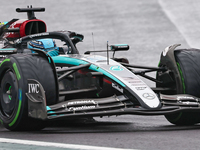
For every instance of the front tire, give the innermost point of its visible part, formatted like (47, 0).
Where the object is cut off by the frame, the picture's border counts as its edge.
(188, 66)
(14, 73)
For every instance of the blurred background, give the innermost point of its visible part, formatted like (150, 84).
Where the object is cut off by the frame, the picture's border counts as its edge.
(147, 26)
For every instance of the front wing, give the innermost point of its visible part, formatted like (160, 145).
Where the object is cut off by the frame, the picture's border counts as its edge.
(115, 105)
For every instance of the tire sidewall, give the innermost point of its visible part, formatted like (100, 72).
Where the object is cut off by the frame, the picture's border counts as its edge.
(12, 121)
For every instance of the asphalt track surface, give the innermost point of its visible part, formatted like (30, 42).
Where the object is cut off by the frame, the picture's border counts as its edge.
(148, 27)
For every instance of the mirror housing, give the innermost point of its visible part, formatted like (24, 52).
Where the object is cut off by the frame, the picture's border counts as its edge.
(119, 47)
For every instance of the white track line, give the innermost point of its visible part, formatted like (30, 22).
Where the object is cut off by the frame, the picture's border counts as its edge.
(58, 145)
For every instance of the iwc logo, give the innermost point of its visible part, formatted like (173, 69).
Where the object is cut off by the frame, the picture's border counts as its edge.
(148, 96)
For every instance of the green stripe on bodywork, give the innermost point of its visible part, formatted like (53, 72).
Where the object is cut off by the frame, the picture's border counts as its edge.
(74, 61)
(1, 121)
(18, 110)
(181, 74)
(16, 71)
(4, 61)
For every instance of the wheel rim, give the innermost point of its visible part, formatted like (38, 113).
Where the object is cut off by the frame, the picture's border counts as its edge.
(9, 90)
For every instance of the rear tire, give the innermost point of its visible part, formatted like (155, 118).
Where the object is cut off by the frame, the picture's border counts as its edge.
(188, 63)
(14, 73)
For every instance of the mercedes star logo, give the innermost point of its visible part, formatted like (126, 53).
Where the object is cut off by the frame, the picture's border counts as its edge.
(148, 96)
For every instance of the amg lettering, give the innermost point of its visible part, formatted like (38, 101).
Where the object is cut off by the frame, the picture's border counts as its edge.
(33, 88)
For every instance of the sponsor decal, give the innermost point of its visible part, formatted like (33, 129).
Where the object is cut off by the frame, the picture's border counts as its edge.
(81, 102)
(33, 88)
(36, 35)
(134, 81)
(140, 88)
(96, 58)
(35, 92)
(80, 105)
(117, 87)
(190, 103)
(185, 98)
(80, 108)
(7, 51)
(61, 68)
(116, 68)
(148, 96)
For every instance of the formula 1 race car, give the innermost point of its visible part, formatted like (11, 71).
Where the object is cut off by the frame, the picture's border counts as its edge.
(36, 86)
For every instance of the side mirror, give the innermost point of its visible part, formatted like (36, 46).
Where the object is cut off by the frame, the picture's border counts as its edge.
(113, 48)
(119, 47)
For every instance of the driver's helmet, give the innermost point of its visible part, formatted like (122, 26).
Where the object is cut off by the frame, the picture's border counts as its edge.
(42, 44)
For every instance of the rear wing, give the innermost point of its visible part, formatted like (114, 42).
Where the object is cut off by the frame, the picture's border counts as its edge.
(30, 11)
